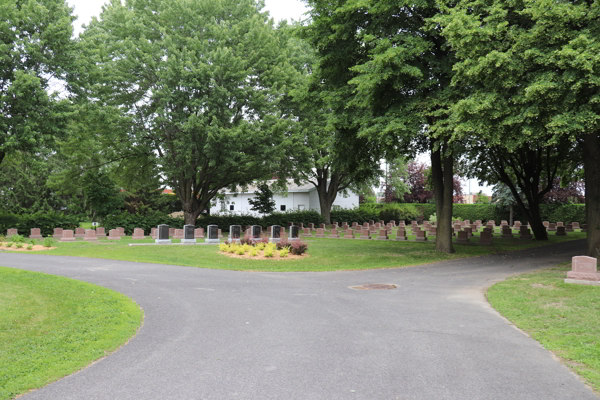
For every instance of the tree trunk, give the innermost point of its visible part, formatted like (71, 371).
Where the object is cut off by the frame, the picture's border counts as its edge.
(191, 210)
(591, 165)
(325, 202)
(442, 174)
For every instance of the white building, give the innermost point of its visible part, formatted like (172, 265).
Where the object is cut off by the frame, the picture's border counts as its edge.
(297, 197)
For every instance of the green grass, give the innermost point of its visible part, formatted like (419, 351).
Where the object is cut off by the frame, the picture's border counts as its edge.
(323, 254)
(86, 225)
(564, 318)
(52, 326)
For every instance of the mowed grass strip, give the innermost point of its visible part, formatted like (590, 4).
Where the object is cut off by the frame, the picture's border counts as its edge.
(52, 326)
(323, 254)
(564, 318)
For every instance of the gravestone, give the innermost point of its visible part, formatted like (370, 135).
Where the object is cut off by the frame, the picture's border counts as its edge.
(584, 271)
(189, 234)
(344, 225)
(220, 233)
(371, 222)
(354, 225)
(575, 225)
(90, 235)
(467, 222)
(213, 235)
(503, 222)
(163, 235)
(561, 231)
(462, 237)
(366, 225)
(275, 234)
(79, 232)
(507, 232)
(559, 224)
(294, 233)
(11, 232)
(306, 232)
(334, 225)
(400, 234)
(383, 234)
(100, 232)
(469, 231)
(57, 233)
(311, 226)
(485, 237)
(121, 231)
(153, 233)
(569, 228)
(378, 225)
(421, 236)
(235, 234)
(546, 224)
(113, 234)
(457, 228)
(68, 236)
(334, 233)
(489, 230)
(36, 233)
(199, 233)
(349, 234)
(138, 233)
(402, 224)
(322, 226)
(551, 227)
(178, 234)
(320, 233)
(301, 225)
(365, 234)
(433, 231)
(171, 232)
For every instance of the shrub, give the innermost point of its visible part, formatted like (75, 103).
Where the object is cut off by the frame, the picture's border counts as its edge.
(46, 221)
(29, 247)
(283, 252)
(9, 244)
(298, 247)
(19, 245)
(254, 252)
(223, 247)
(239, 251)
(17, 239)
(283, 243)
(398, 212)
(247, 240)
(2, 238)
(269, 252)
(48, 241)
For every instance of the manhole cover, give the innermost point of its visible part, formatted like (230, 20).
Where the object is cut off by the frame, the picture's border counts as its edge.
(374, 286)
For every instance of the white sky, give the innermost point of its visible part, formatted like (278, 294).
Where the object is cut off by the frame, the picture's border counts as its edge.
(279, 9)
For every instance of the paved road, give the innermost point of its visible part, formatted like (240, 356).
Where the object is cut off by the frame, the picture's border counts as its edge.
(211, 334)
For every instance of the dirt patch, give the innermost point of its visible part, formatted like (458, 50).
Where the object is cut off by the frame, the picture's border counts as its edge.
(37, 247)
(540, 286)
(260, 256)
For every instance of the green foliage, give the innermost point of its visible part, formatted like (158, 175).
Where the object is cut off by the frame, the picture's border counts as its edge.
(19, 245)
(145, 221)
(364, 213)
(17, 239)
(564, 212)
(299, 216)
(101, 193)
(46, 221)
(208, 112)
(398, 212)
(36, 47)
(30, 247)
(284, 252)
(298, 247)
(48, 241)
(263, 201)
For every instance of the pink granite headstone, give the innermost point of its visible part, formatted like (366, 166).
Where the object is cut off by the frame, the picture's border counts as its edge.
(365, 234)
(320, 233)
(401, 234)
(584, 269)
(383, 234)
(334, 233)
(120, 231)
(178, 234)
(561, 231)
(36, 233)
(485, 237)
(68, 236)
(79, 232)
(100, 232)
(199, 233)
(349, 234)
(462, 237)
(138, 233)
(113, 234)
(11, 232)
(90, 235)
(57, 233)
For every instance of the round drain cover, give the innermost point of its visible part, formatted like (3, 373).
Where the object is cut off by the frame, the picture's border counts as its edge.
(374, 286)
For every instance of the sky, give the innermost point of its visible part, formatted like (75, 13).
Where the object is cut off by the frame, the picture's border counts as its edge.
(279, 9)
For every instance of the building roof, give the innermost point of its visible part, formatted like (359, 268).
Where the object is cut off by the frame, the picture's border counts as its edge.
(291, 188)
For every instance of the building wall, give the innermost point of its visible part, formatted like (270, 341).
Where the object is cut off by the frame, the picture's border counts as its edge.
(242, 206)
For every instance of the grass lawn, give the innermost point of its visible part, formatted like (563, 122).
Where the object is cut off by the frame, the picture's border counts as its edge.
(52, 326)
(323, 254)
(564, 318)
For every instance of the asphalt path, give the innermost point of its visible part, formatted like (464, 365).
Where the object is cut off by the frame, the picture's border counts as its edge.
(214, 334)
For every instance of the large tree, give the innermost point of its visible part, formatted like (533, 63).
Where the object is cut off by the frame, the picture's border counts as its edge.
(195, 84)
(531, 68)
(328, 152)
(397, 70)
(35, 54)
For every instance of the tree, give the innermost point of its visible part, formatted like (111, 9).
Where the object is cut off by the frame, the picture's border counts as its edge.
(481, 198)
(102, 196)
(327, 151)
(532, 69)
(419, 191)
(395, 185)
(263, 202)
(399, 69)
(571, 192)
(194, 84)
(36, 50)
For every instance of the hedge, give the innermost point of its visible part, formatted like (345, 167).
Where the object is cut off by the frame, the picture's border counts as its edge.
(46, 221)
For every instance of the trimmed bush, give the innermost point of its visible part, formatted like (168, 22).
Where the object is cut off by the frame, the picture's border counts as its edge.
(46, 221)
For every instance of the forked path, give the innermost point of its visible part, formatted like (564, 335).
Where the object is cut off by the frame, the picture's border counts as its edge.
(212, 334)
